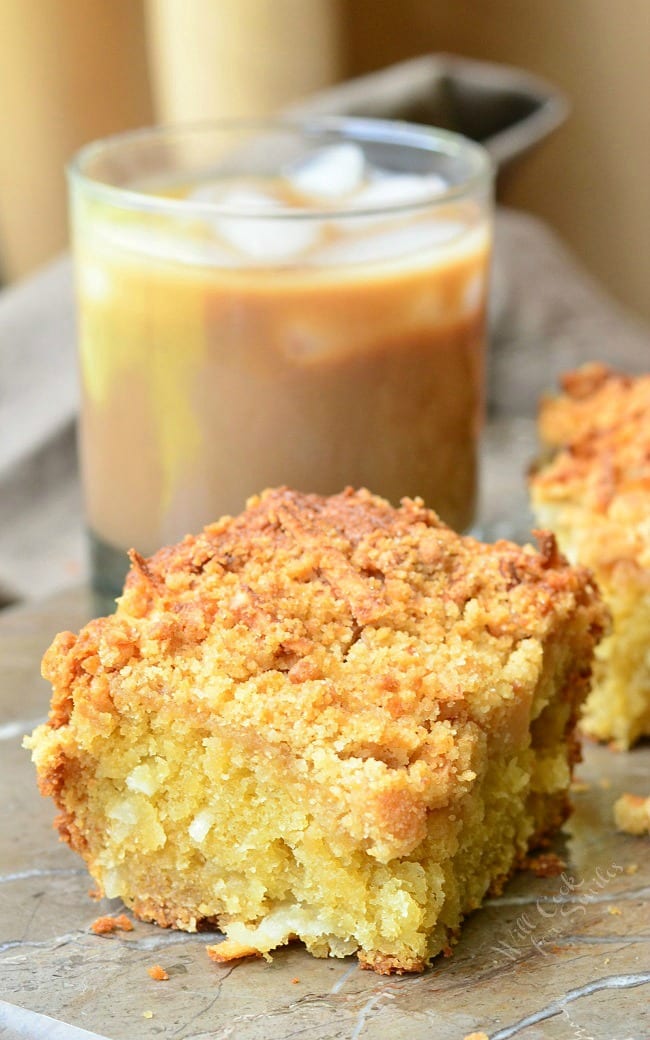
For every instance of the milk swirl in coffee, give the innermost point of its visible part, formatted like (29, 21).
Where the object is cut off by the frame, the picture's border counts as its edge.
(317, 329)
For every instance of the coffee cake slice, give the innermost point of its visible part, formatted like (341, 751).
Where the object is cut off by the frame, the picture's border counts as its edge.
(594, 493)
(325, 719)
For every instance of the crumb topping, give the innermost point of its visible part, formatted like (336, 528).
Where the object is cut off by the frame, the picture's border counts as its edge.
(372, 646)
(601, 428)
(326, 719)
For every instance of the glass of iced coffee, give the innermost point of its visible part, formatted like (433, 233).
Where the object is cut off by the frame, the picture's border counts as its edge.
(297, 303)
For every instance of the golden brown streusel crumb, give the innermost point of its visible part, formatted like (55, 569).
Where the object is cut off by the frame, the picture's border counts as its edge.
(105, 925)
(157, 972)
(594, 398)
(602, 438)
(325, 719)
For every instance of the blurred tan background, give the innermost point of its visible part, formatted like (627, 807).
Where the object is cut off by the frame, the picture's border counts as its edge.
(79, 69)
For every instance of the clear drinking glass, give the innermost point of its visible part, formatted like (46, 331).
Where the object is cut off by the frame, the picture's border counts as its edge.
(269, 303)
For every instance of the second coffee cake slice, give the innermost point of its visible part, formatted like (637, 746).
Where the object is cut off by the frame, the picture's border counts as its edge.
(594, 493)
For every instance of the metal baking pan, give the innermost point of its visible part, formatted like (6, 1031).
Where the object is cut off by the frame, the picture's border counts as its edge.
(507, 110)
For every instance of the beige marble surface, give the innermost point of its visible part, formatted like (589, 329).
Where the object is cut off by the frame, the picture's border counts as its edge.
(562, 958)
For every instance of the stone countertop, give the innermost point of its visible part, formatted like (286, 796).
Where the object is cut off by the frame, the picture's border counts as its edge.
(563, 957)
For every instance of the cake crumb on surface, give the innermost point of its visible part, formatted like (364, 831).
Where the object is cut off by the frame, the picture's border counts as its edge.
(157, 972)
(107, 924)
(632, 814)
(615, 911)
(147, 1014)
(229, 950)
(476, 1036)
(546, 864)
(631, 868)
